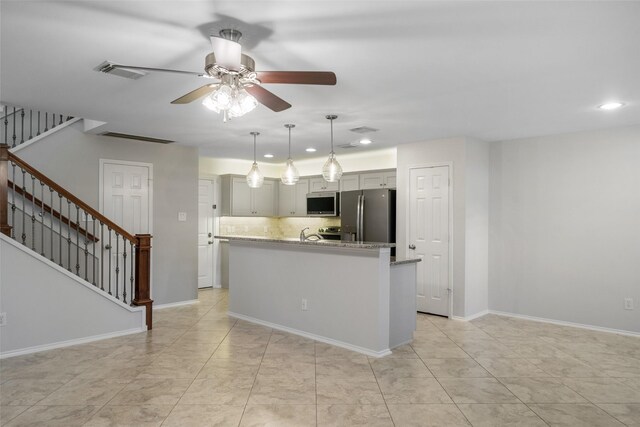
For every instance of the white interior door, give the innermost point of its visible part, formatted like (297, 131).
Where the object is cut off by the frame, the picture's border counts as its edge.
(205, 233)
(126, 190)
(429, 236)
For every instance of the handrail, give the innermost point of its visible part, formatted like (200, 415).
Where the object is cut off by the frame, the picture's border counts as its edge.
(85, 207)
(48, 209)
(8, 113)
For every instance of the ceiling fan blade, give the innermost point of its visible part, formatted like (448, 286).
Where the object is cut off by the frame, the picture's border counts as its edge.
(298, 77)
(267, 98)
(161, 70)
(194, 94)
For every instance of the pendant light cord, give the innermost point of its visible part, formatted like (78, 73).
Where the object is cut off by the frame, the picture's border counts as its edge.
(289, 142)
(332, 136)
(254, 148)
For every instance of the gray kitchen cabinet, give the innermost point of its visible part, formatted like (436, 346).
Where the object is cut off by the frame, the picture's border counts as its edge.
(238, 199)
(381, 179)
(350, 182)
(317, 185)
(293, 198)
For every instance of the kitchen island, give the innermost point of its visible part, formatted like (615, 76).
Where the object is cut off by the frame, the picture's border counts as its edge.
(349, 294)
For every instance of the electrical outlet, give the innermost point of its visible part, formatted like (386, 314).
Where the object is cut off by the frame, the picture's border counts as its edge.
(628, 303)
(3, 319)
(305, 307)
(182, 216)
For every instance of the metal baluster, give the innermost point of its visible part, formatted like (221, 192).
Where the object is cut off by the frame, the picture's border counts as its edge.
(46, 122)
(30, 124)
(68, 234)
(24, 212)
(109, 248)
(51, 222)
(117, 263)
(124, 271)
(22, 126)
(93, 259)
(13, 200)
(13, 144)
(60, 119)
(33, 213)
(77, 240)
(53, 120)
(131, 274)
(38, 123)
(41, 218)
(101, 257)
(6, 123)
(60, 230)
(86, 242)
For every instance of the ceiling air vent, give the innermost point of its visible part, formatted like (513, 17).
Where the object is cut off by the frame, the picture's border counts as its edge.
(137, 137)
(107, 68)
(347, 146)
(363, 129)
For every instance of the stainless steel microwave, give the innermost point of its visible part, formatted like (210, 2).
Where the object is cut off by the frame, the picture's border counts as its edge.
(323, 204)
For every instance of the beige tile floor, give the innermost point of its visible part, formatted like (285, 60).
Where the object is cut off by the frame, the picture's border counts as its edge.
(198, 367)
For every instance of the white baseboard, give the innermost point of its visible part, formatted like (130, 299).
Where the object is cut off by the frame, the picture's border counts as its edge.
(44, 135)
(314, 337)
(60, 344)
(564, 323)
(473, 316)
(175, 304)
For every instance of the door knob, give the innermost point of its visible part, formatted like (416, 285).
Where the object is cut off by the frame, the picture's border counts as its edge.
(412, 247)
(209, 235)
(107, 247)
(210, 242)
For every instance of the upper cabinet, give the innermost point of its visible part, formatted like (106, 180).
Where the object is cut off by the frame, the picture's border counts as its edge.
(386, 179)
(350, 182)
(293, 198)
(238, 199)
(318, 185)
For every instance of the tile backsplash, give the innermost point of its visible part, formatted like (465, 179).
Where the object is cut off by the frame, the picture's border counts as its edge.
(285, 227)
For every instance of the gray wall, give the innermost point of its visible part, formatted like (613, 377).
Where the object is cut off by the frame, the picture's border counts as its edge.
(71, 158)
(565, 227)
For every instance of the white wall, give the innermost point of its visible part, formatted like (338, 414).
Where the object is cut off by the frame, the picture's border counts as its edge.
(565, 227)
(47, 313)
(431, 153)
(350, 162)
(71, 158)
(476, 227)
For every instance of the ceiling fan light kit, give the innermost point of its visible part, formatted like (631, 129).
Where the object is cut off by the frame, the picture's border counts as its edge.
(332, 171)
(255, 177)
(290, 175)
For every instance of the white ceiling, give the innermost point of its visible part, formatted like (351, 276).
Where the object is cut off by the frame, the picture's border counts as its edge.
(415, 70)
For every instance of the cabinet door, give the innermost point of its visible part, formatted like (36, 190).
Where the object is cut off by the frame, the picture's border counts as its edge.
(390, 179)
(369, 181)
(317, 185)
(350, 182)
(264, 199)
(240, 198)
(286, 199)
(300, 199)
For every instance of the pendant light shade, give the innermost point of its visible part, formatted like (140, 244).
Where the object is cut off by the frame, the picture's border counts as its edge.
(255, 177)
(290, 175)
(332, 171)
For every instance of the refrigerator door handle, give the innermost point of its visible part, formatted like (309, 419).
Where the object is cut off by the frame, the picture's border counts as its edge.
(362, 218)
(358, 219)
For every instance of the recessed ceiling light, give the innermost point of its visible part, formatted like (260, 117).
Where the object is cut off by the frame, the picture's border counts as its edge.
(610, 105)
(268, 156)
(310, 150)
(365, 141)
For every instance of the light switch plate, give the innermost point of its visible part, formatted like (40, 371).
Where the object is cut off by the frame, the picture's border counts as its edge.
(182, 216)
(3, 319)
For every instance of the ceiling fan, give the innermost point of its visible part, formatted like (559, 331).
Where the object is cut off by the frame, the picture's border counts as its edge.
(238, 88)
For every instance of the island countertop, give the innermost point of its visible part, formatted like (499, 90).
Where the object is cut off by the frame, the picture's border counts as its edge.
(325, 242)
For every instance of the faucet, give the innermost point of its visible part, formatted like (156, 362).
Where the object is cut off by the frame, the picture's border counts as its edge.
(309, 237)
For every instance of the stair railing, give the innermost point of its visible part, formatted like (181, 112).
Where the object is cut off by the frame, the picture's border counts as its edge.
(45, 217)
(18, 125)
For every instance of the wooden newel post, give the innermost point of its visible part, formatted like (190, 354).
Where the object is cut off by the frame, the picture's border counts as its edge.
(143, 275)
(5, 228)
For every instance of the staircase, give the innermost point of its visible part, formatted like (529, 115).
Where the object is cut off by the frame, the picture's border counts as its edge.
(56, 226)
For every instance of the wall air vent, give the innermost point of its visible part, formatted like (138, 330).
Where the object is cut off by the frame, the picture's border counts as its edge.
(137, 137)
(363, 130)
(107, 68)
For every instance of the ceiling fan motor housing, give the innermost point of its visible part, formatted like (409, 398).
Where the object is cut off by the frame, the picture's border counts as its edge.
(247, 66)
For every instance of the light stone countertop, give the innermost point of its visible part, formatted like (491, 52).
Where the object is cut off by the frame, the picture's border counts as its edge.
(325, 242)
(399, 261)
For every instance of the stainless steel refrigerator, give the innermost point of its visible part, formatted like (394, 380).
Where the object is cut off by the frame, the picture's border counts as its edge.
(368, 215)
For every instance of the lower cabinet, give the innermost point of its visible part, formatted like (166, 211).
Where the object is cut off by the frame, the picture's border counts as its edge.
(293, 198)
(238, 199)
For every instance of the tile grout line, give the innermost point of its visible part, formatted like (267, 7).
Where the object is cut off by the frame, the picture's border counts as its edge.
(256, 377)
(384, 399)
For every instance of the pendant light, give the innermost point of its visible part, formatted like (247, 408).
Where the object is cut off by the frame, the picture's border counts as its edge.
(332, 171)
(290, 175)
(255, 177)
